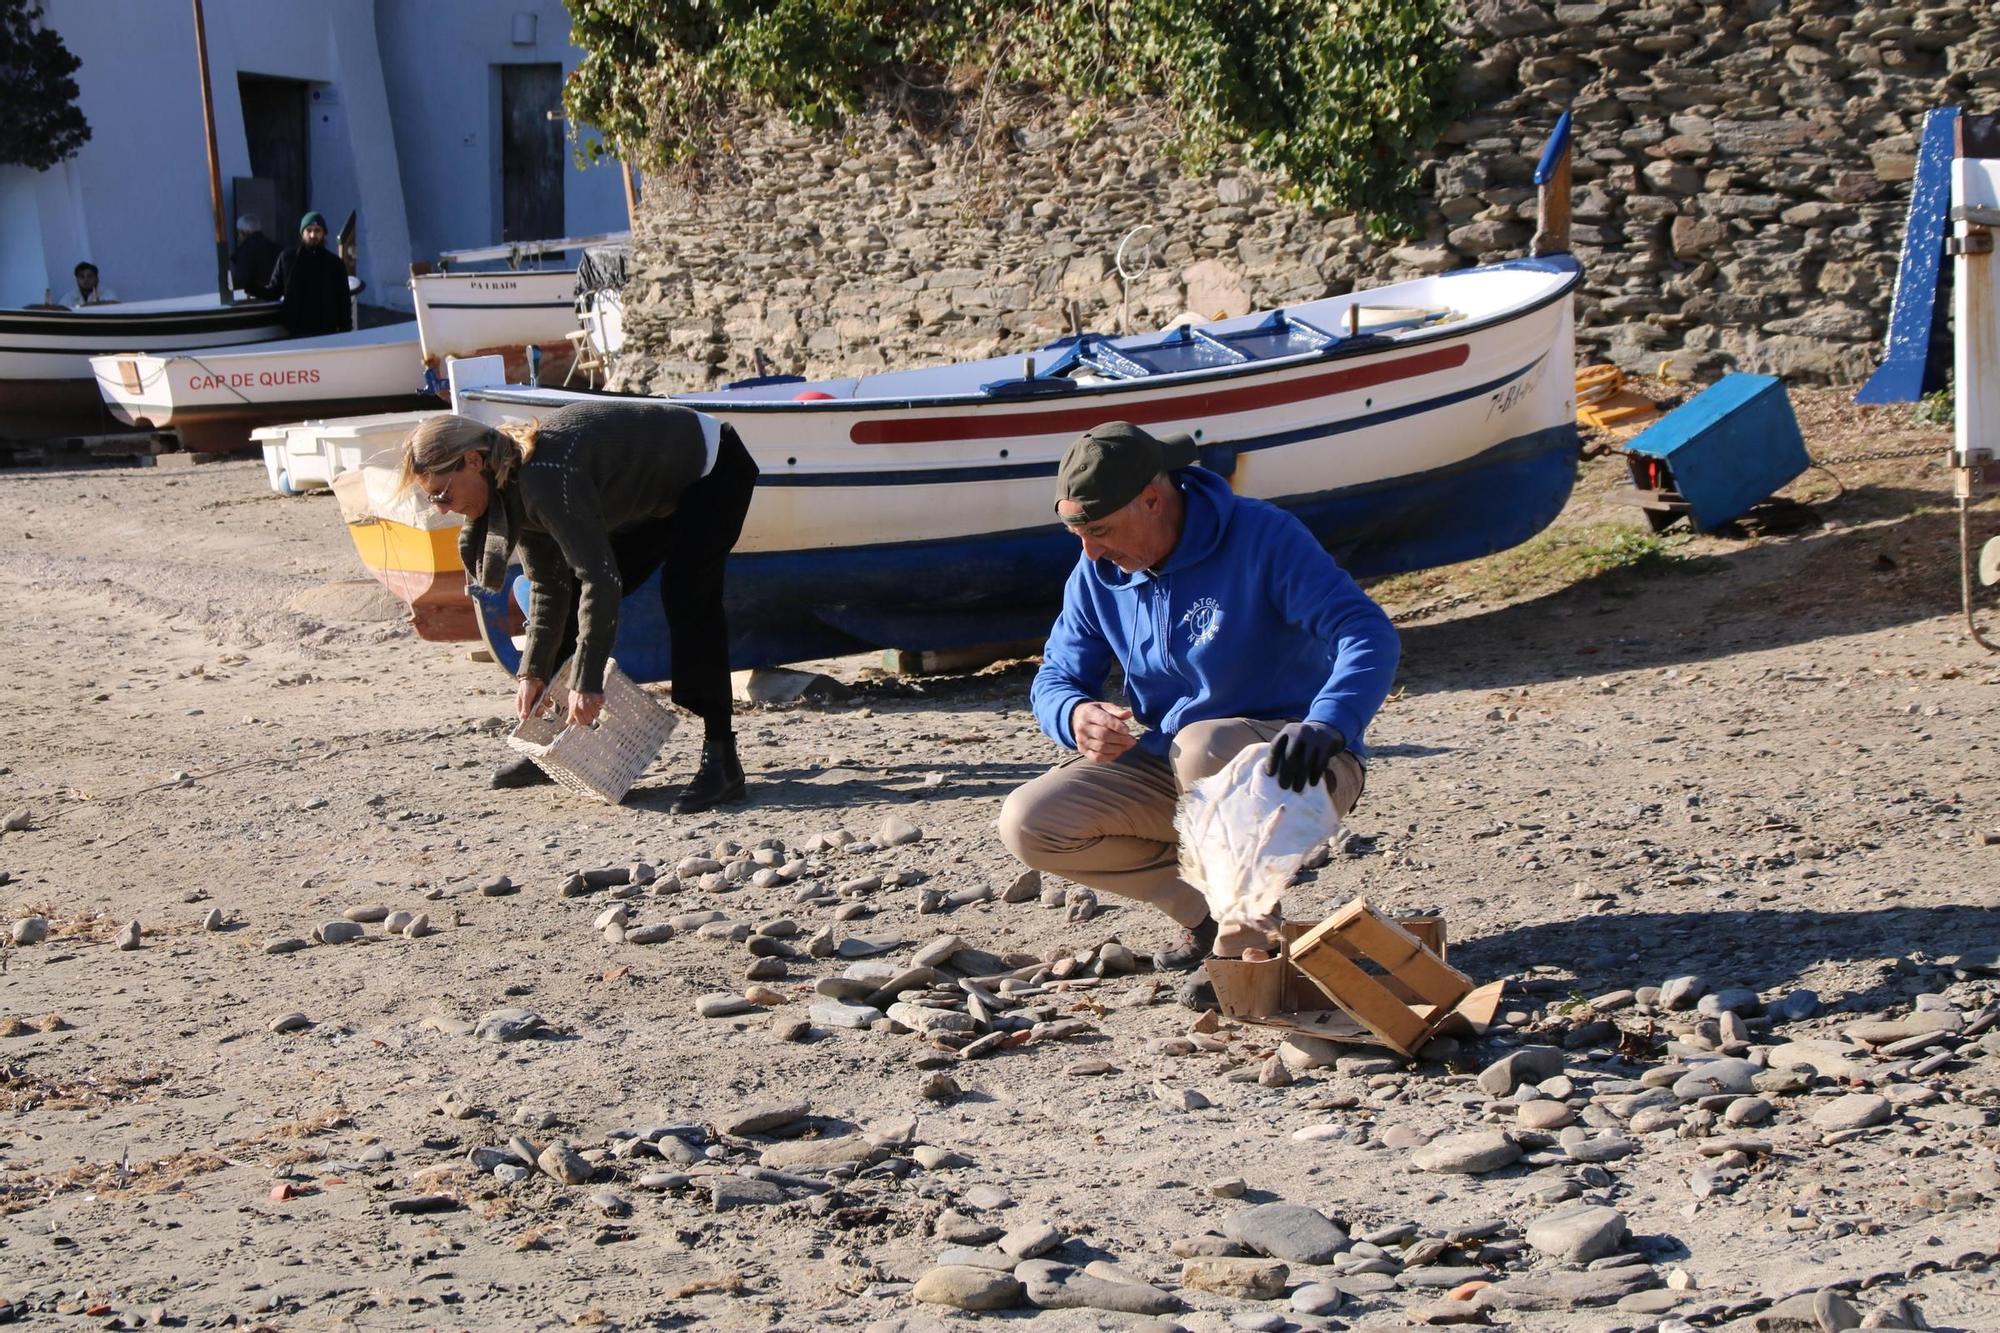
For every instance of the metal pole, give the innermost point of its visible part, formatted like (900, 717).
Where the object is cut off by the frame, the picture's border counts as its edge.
(223, 286)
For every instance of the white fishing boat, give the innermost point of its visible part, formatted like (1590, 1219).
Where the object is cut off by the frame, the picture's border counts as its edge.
(469, 312)
(1408, 426)
(500, 313)
(213, 397)
(1412, 425)
(46, 383)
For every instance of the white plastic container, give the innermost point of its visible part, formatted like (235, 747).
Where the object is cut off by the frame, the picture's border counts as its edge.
(308, 455)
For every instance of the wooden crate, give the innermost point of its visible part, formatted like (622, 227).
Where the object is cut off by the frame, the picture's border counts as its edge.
(1412, 989)
(1276, 988)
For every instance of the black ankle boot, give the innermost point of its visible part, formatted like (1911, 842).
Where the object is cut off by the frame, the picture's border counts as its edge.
(520, 771)
(719, 780)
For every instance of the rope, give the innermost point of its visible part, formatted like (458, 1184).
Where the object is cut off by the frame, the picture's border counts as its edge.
(1599, 449)
(166, 363)
(1965, 574)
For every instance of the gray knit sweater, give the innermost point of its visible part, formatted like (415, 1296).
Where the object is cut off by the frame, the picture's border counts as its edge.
(596, 467)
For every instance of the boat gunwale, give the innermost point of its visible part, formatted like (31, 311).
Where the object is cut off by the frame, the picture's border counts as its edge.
(74, 324)
(1566, 265)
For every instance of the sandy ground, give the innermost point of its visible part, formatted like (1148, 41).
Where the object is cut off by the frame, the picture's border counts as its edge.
(1765, 760)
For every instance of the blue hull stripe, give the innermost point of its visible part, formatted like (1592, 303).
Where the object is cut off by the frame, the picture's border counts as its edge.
(790, 606)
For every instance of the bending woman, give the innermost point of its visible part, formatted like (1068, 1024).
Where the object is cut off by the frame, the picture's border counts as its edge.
(594, 498)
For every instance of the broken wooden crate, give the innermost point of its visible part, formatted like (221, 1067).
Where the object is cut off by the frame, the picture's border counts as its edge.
(1387, 980)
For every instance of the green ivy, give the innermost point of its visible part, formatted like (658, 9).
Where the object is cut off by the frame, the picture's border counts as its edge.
(39, 121)
(1342, 96)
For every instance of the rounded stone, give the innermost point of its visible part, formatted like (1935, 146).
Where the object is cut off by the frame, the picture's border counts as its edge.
(1857, 1110)
(964, 1287)
(1467, 1154)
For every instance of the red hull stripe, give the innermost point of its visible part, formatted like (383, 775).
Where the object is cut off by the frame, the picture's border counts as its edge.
(992, 425)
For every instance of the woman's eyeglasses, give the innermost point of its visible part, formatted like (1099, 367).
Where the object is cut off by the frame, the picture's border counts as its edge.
(439, 496)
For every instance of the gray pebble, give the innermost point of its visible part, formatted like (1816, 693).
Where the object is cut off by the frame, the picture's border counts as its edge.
(721, 1004)
(560, 1162)
(507, 1024)
(897, 831)
(1682, 992)
(842, 1014)
(764, 1117)
(964, 1287)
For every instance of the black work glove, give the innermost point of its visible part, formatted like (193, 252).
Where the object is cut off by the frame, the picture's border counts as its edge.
(1301, 752)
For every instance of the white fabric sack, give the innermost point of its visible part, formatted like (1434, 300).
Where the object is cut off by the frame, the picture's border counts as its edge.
(1243, 837)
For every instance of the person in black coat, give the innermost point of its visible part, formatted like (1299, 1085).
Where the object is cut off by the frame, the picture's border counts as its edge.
(312, 283)
(255, 256)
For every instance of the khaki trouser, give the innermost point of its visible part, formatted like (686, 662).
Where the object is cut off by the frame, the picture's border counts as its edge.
(1111, 826)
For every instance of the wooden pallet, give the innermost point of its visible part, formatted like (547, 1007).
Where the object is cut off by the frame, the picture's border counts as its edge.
(1381, 974)
(130, 448)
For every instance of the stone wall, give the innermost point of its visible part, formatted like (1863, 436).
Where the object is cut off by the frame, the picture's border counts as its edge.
(1741, 175)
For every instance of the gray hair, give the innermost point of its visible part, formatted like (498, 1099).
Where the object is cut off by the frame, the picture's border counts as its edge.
(248, 222)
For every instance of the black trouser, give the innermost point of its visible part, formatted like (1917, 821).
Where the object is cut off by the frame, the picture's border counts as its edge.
(690, 548)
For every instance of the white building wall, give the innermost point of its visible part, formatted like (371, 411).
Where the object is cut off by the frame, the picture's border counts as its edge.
(404, 133)
(439, 59)
(135, 199)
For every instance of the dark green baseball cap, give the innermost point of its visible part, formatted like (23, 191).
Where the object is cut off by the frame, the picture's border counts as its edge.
(1108, 465)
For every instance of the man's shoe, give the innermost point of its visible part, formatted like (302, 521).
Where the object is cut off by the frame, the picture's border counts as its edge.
(1196, 945)
(520, 772)
(719, 780)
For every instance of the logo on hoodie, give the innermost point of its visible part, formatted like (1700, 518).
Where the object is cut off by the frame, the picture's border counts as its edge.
(1201, 621)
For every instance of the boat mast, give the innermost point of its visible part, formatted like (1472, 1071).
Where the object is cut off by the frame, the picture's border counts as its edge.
(1552, 188)
(631, 191)
(223, 286)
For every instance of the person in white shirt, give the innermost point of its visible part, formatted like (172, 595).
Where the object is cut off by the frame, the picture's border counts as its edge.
(88, 290)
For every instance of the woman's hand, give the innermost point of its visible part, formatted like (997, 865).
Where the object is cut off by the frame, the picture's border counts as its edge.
(584, 708)
(526, 695)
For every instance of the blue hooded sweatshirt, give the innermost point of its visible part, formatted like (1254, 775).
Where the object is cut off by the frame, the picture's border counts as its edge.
(1248, 617)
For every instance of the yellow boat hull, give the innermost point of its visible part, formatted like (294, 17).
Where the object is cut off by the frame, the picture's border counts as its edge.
(423, 569)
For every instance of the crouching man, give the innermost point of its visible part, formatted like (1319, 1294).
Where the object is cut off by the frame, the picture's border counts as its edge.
(1231, 625)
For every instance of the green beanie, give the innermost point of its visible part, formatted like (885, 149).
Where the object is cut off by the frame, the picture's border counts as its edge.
(310, 220)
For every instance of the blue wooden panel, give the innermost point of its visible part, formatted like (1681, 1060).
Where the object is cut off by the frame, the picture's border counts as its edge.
(1906, 373)
(1731, 445)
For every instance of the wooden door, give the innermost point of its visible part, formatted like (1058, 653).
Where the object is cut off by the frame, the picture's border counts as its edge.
(531, 152)
(275, 113)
